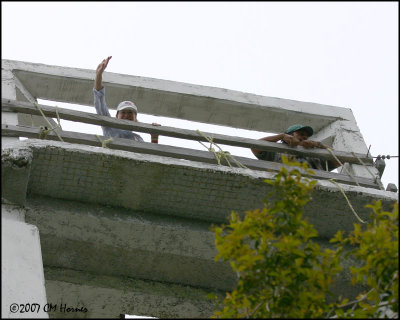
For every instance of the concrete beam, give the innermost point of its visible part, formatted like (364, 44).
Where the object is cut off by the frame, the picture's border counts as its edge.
(108, 297)
(170, 186)
(126, 243)
(175, 99)
(118, 245)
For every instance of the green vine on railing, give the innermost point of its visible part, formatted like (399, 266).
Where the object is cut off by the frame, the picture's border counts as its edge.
(44, 131)
(104, 142)
(221, 154)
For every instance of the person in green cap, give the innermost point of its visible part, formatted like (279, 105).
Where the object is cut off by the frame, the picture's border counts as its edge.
(297, 135)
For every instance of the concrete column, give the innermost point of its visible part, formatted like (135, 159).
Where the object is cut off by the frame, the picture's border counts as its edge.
(12, 88)
(349, 138)
(326, 135)
(22, 281)
(22, 277)
(22, 284)
(8, 91)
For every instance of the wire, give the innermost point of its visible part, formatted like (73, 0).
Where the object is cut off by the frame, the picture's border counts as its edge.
(385, 157)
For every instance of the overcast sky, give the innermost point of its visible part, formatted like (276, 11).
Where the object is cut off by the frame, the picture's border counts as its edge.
(336, 53)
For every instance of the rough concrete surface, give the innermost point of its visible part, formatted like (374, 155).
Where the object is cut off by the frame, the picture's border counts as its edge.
(162, 185)
(108, 297)
(119, 242)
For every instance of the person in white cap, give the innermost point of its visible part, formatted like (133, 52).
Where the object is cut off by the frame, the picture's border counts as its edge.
(125, 110)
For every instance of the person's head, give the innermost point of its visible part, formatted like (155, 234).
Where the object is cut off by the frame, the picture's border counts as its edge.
(127, 110)
(300, 132)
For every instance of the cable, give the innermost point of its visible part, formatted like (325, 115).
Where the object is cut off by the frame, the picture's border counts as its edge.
(385, 157)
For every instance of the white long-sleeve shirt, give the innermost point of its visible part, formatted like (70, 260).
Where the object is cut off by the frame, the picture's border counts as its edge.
(102, 109)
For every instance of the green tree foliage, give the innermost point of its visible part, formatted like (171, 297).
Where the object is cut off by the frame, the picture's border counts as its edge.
(377, 250)
(282, 273)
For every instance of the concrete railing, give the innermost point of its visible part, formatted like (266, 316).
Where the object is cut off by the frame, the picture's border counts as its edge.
(8, 130)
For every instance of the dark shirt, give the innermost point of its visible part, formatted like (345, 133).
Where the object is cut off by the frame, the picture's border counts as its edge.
(314, 163)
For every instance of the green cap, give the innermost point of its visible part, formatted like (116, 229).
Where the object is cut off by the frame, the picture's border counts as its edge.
(297, 127)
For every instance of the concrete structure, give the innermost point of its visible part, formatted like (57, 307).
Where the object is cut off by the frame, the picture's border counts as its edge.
(127, 232)
(21, 265)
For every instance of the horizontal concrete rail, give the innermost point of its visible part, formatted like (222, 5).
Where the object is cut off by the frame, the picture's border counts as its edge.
(90, 118)
(173, 152)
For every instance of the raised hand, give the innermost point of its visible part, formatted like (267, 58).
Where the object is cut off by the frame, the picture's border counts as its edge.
(103, 65)
(99, 73)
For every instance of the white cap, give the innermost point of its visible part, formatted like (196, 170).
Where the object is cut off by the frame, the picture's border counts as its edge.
(127, 105)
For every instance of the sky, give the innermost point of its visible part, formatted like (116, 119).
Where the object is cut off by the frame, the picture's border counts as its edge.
(342, 54)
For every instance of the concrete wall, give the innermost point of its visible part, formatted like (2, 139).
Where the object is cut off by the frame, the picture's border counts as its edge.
(158, 184)
(109, 217)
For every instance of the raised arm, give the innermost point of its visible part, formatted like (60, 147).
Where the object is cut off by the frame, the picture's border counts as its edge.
(98, 81)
